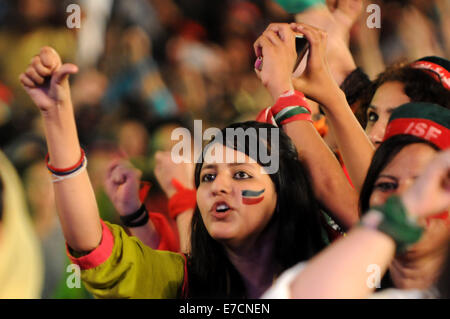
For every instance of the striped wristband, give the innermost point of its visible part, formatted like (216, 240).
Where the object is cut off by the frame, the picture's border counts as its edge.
(290, 106)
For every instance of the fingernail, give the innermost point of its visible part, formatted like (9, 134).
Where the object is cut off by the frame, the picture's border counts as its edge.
(258, 63)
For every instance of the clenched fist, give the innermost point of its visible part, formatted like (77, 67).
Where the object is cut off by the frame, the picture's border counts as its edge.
(122, 186)
(46, 80)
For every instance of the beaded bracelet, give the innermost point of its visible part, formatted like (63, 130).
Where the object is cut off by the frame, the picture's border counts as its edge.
(393, 220)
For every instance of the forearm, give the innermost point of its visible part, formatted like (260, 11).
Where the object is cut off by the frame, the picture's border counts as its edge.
(183, 221)
(147, 234)
(354, 145)
(75, 200)
(330, 185)
(350, 275)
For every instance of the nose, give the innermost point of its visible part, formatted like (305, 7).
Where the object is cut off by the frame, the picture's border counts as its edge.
(376, 134)
(221, 184)
(403, 186)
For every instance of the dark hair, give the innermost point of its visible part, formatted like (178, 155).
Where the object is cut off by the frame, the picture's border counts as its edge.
(418, 86)
(443, 284)
(296, 220)
(382, 157)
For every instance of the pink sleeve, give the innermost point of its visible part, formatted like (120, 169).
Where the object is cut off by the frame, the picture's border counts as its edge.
(99, 255)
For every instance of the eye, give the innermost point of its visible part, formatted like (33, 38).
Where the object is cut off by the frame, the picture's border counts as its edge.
(208, 178)
(241, 175)
(386, 186)
(372, 116)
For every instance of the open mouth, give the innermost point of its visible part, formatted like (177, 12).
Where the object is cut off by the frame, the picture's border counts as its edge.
(222, 207)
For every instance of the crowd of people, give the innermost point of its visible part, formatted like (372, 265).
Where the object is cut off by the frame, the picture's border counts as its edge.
(359, 131)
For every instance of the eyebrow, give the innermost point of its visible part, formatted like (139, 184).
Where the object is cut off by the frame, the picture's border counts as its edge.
(387, 176)
(213, 166)
(389, 110)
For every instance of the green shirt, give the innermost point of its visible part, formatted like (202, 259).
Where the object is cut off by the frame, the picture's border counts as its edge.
(131, 269)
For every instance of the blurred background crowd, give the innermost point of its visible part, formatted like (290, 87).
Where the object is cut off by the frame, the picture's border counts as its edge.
(149, 66)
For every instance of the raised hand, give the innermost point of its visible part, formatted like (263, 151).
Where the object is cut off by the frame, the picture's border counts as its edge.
(316, 82)
(430, 194)
(46, 80)
(122, 186)
(166, 170)
(276, 46)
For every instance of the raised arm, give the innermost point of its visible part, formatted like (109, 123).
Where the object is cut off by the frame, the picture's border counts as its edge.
(46, 82)
(371, 244)
(180, 192)
(353, 143)
(122, 186)
(276, 46)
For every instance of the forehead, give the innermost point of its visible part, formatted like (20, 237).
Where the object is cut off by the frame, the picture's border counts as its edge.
(410, 161)
(219, 154)
(389, 95)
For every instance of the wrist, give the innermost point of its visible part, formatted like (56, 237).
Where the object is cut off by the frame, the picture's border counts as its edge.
(130, 208)
(276, 91)
(334, 95)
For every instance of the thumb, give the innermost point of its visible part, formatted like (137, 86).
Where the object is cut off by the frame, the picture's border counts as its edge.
(63, 72)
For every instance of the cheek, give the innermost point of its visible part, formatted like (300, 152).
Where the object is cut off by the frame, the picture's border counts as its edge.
(252, 196)
(378, 198)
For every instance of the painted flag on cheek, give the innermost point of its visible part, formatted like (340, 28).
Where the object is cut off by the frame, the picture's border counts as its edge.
(250, 197)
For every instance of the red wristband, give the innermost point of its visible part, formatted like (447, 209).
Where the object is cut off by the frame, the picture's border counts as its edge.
(183, 200)
(64, 170)
(290, 106)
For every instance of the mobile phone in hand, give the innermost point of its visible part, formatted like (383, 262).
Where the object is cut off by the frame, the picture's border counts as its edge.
(301, 46)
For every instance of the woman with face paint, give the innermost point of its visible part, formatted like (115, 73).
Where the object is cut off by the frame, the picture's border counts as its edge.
(251, 222)
(410, 238)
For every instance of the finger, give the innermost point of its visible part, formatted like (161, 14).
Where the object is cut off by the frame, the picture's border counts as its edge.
(50, 58)
(34, 76)
(283, 30)
(273, 37)
(118, 177)
(112, 166)
(257, 48)
(26, 81)
(39, 67)
(63, 72)
(316, 38)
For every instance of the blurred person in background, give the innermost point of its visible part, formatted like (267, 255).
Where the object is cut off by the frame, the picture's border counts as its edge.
(26, 26)
(21, 267)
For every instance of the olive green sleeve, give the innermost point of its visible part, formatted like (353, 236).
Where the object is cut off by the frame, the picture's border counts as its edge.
(123, 267)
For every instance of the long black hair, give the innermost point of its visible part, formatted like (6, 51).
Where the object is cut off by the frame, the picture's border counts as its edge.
(382, 157)
(296, 220)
